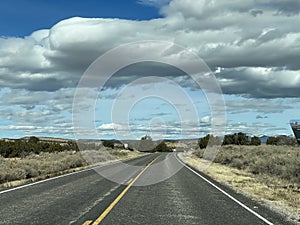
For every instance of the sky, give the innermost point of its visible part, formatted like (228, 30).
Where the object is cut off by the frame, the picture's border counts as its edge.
(252, 48)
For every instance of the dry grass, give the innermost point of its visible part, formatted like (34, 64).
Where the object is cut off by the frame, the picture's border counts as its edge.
(280, 161)
(280, 194)
(18, 171)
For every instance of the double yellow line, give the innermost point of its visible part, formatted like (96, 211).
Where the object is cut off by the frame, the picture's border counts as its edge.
(112, 205)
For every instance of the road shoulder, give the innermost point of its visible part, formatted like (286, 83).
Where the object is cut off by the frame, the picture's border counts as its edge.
(19, 183)
(244, 183)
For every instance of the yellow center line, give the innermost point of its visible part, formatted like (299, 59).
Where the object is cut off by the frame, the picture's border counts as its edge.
(128, 182)
(112, 205)
(88, 222)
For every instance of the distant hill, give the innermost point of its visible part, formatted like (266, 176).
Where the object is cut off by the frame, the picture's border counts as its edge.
(263, 138)
(40, 139)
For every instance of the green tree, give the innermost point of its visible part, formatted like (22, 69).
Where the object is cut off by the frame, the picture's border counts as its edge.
(242, 139)
(228, 139)
(272, 141)
(33, 139)
(108, 144)
(255, 141)
(236, 139)
(162, 147)
(204, 141)
(209, 139)
(286, 140)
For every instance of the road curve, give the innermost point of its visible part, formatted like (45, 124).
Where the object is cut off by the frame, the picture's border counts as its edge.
(88, 198)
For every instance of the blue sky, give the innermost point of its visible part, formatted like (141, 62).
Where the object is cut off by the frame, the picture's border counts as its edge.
(21, 17)
(252, 48)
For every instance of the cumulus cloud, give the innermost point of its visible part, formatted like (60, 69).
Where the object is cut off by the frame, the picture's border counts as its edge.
(288, 8)
(56, 58)
(266, 106)
(254, 45)
(190, 129)
(260, 82)
(257, 129)
(49, 60)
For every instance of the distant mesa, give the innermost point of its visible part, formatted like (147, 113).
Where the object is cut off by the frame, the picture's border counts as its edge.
(263, 138)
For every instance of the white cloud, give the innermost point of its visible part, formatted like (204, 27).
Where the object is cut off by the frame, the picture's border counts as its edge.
(260, 82)
(111, 126)
(265, 106)
(60, 55)
(157, 130)
(206, 119)
(185, 8)
(256, 43)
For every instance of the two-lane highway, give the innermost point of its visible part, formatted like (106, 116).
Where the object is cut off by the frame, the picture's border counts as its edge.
(88, 198)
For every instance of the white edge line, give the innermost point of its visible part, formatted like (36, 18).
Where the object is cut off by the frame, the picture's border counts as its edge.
(61, 176)
(225, 193)
(52, 178)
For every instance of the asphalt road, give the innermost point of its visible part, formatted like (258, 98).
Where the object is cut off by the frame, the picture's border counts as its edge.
(88, 198)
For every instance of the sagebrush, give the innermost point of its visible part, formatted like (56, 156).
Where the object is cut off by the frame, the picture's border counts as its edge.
(45, 163)
(280, 161)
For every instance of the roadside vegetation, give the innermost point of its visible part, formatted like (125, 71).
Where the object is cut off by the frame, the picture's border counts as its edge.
(280, 161)
(242, 139)
(34, 165)
(32, 159)
(279, 157)
(146, 144)
(24, 147)
(268, 172)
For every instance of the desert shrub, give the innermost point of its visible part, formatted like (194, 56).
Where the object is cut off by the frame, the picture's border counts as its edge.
(255, 141)
(23, 148)
(35, 165)
(238, 163)
(280, 165)
(199, 153)
(108, 144)
(49, 163)
(162, 147)
(33, 139)
(224, 158)
(236, 139)
(282, 140)
(280, 161)
(102, 155)
(119, 153)
(272, 141)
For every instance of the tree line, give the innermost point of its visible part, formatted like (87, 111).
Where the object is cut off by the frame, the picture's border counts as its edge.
(146, 144)
(22, 147)
(243, 139)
